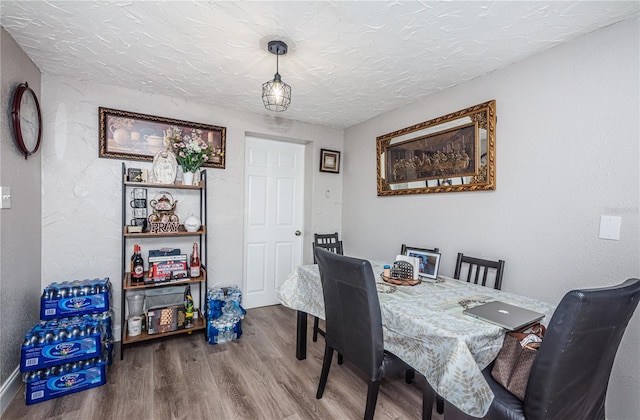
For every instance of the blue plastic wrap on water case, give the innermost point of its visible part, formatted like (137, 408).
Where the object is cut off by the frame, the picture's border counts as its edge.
(77, 297)
(38, 390)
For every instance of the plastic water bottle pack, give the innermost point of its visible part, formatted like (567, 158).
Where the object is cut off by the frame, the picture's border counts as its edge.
(224, 314)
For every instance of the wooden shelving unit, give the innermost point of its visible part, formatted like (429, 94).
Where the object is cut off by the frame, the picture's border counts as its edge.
(128, 285)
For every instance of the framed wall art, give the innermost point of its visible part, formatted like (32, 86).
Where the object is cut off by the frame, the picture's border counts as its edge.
(455, 152)
(132, 136)
(329, 161)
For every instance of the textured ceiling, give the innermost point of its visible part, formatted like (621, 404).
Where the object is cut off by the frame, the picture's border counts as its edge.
(347, 61)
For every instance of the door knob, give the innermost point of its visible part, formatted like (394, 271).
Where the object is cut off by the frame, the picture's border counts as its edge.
(298, 233)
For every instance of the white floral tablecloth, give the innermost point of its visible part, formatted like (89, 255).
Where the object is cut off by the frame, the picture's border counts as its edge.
(424, 326)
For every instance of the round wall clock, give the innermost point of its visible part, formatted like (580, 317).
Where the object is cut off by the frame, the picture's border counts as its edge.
(27, 121)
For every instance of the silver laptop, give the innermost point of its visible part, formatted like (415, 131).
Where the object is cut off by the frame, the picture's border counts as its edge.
(505, 315)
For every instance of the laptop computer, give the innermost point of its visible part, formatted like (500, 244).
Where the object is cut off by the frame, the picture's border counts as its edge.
(504, 315)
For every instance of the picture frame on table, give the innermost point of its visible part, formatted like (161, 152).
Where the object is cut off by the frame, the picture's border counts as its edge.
(329, 161)
(429, 261)
(134, 136)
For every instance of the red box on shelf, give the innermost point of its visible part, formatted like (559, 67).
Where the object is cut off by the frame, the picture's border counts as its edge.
(167, 268)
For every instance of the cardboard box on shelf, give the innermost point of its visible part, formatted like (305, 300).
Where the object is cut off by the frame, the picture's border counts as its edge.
(162, 320)
(164, 252)
(167, 268)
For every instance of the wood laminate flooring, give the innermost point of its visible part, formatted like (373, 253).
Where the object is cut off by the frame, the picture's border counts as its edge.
(255, 377)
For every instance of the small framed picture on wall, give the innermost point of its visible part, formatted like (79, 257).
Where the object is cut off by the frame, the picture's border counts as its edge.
(329, 161)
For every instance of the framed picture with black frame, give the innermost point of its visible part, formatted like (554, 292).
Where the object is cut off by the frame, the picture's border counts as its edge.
(429, 262)
(329, 161)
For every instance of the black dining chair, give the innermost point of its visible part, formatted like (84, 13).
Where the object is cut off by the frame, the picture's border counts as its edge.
(571, 371)
(476, 266)
(325, 238)
(335, 247)
(328, 241)
(354, 326)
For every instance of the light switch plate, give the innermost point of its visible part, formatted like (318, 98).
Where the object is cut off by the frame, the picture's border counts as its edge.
(5, 198)
(610, 227)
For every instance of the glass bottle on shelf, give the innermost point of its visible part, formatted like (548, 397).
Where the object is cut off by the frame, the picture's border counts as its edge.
(194, 263)
(137, 274)
(133, 256)
(189, 308)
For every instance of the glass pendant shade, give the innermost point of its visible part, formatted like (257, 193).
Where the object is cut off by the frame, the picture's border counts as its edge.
(276, 95)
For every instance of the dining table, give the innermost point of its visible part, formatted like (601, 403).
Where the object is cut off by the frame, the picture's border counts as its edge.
(424, 325)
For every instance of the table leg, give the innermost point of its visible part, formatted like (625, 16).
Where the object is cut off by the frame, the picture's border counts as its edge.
(301, 336)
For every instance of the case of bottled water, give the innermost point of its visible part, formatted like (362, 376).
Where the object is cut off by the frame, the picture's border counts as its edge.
(66, 340)
(64, 379)
(224, 314)
(77, 297)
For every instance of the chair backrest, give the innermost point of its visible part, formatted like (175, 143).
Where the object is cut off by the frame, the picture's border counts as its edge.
(570, 374)
(404, 247)
(335, 247)
(478, 270)
(352, 311)
(325, 238)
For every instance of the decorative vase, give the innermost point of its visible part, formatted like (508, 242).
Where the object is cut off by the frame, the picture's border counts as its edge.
(187, 178)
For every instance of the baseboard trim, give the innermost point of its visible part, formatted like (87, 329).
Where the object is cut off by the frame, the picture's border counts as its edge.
(9, 390)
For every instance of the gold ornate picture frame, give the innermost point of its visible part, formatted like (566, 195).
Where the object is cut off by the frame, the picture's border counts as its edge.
(132, 136)
(455, 152)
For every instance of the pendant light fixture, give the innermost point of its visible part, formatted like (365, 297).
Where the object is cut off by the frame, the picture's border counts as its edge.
(276, 94)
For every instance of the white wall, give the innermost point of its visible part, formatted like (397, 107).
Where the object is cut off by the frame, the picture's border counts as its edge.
(81, 222)
(567, 152)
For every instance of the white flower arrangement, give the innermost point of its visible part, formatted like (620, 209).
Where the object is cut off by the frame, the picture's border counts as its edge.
(190, 149)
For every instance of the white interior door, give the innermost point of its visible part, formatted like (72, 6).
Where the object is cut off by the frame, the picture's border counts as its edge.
(273, 219)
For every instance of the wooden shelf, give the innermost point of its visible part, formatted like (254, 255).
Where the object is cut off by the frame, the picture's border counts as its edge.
(181, 235)
(127, 284)
(154, 185)
(181, 232)
(199, 325)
